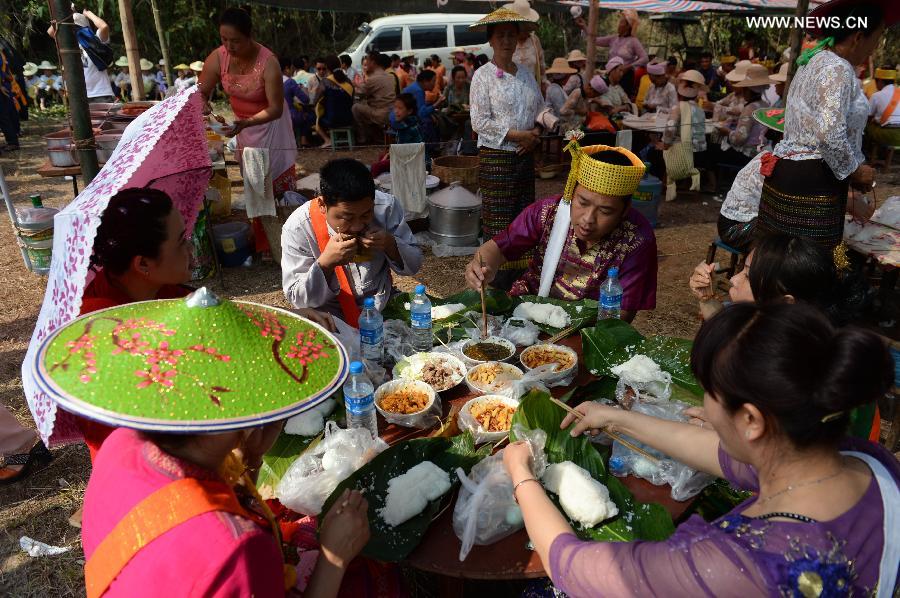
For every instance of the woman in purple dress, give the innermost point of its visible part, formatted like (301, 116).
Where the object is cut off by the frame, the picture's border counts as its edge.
(780, 382)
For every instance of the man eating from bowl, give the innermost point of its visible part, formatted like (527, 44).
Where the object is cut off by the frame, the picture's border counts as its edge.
(577, 239)
(340, 248)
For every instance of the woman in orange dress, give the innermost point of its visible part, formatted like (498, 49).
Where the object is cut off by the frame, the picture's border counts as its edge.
(251, 77)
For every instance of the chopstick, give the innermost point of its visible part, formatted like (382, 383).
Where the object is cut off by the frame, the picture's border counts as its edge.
(561, 334)
(612, 435)
(484, 327)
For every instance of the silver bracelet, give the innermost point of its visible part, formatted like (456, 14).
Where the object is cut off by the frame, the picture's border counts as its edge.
(516, 487)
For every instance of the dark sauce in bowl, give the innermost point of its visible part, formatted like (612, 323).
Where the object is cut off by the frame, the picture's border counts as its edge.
(487, 352)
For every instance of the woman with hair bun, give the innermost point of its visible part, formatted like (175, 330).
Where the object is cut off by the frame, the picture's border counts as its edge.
(780, 382)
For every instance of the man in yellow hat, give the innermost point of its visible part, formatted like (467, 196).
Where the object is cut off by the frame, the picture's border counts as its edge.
(884, 109)
(578, 239)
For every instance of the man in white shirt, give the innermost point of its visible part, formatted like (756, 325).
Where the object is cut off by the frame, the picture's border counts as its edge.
(884, 110)
(96, 81)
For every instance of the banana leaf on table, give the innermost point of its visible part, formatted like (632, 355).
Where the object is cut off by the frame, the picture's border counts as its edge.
(612, 342)
(395, 543)
(636, 520)
(583, 312)
(497, 303)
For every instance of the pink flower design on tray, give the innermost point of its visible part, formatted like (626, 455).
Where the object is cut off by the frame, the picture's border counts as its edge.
(305, 350)
(156, 375)
(163, 354)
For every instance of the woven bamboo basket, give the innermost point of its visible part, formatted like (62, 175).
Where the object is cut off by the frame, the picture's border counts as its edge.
(461, 169)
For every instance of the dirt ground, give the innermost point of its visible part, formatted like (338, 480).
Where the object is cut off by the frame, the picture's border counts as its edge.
(40, 506)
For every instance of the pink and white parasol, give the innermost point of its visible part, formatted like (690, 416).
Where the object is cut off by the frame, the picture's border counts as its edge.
(164, 148)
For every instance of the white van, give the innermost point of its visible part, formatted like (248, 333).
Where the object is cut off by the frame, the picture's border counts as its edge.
(420, 34)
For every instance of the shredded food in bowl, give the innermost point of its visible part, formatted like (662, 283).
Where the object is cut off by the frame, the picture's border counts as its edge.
(493, 416)
(537, 357)
(405, 401)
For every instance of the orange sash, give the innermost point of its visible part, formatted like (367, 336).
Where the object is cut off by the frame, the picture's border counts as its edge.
(165, 509)
(895, 99)
(346, 299)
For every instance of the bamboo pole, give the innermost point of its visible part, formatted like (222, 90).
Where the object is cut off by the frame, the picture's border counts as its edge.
(593, 13)
(131, 50)
(163, 43)
(796, 43)
(73, 75)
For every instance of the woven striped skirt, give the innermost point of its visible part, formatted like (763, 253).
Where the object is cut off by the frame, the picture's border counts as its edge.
(803, 198)
(506, 180)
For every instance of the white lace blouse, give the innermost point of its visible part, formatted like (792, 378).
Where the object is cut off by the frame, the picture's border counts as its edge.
(742, 202)
(825, 115)
(500, 104)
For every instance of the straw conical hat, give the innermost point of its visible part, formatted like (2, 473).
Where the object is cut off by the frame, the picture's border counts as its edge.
(146, 65)
(181, 67)
(739, 72)
(576, 56)
(757, 76)
(197, 65)
(560, 66)
(500, 16)
(781, 75)
(523, 7)
(122, 61)
(29, 69)
(46, 66)
(197, 364)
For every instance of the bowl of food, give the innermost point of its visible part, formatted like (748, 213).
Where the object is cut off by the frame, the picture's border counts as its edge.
(494, 376)
(403, 401)
(441, 371)
(488, 417)
(564, 359)
(493, 348)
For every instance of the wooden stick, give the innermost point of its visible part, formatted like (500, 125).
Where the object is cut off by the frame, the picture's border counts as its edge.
(484, 326)
(612, 435)
(561, 335)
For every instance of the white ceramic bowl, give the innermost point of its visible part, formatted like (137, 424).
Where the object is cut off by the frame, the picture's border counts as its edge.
(467, 422)
(507, 374)
(410, 368)
(511, 348)
(559, 374)
(403, 419)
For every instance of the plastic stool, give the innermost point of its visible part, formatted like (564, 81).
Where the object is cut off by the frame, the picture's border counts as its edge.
(341, 139)
(737, 258)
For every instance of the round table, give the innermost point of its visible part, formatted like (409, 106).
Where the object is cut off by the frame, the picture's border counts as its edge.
(510, 558)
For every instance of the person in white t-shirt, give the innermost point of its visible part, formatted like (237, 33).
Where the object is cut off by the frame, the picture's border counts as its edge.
(96, 82)
(884, 109)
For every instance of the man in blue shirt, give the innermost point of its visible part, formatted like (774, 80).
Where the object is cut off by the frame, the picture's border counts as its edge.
(425, 81)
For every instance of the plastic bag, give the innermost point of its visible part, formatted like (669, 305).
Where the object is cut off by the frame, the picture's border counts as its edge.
(485, 510)
(520, 332)
(535, 379)
(311, 479)
(685, 481)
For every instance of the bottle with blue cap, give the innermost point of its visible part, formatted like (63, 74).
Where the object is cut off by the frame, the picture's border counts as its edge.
(610, 297)
(618, 467)
(420, 319)
(371, 332)
(359, 400)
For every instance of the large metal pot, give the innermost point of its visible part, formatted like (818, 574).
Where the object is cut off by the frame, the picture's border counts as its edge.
(453, 216)
(106, 145)
(63, 157)
(59, 140)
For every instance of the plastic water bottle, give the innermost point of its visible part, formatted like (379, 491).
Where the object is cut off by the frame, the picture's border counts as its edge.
(371, 332)
(610, 297)
(420, 316)
(359, 399)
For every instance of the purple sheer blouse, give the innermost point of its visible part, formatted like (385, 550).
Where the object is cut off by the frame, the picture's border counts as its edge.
(628, 49)
(737, 555)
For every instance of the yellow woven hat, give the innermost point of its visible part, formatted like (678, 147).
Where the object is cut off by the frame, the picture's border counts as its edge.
(601, 177)
(886, 74)
(503, 15)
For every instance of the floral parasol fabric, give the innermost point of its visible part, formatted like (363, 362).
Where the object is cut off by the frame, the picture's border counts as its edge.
(179, 366)
(165, 148)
